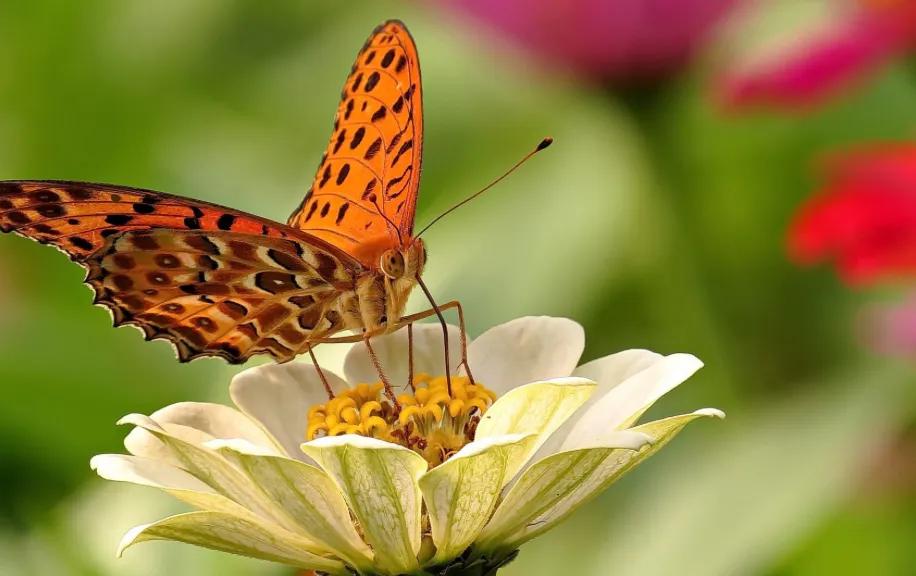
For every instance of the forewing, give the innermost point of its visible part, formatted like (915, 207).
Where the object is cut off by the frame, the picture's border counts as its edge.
(212, 280)
(372, 164)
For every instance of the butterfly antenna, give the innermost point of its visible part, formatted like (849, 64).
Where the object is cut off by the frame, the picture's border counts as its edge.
(387, 219)
(542, 145)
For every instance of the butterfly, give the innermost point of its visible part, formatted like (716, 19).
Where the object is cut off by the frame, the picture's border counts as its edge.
(220, 282)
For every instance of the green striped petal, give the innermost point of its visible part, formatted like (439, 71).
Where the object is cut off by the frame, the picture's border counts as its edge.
(461, 494)
(174, 481)
(306, 493)
(379, 481)
(228, 533)
(215, 471)
(552, 488)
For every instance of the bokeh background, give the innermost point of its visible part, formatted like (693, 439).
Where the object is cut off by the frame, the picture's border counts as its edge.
(688, 133)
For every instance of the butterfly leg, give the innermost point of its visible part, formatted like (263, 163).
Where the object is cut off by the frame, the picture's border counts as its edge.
(408, 321)
(438, 312)
(410, 357)
(324, 380)
(389, 391)
(464, 338)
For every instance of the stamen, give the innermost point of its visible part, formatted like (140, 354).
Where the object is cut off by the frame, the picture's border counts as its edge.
(433, 421)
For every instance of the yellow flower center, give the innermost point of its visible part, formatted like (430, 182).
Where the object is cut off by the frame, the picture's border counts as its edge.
(432, 421)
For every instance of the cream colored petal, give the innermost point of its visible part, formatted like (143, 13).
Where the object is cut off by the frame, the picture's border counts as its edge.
(307, 494)
(391, 349)
(379, 482)
(538, 408)
(215, 471)
(609, 371)
(194, 422)
(623, 404)
(279, 396)
(525, 350)
(146, 472)
(552, 488)
(228, 533)
(460, 494)
(174, 481)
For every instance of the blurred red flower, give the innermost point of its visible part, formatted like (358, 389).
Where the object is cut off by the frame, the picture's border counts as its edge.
(608, 39)
(860, 37)
(864, 217)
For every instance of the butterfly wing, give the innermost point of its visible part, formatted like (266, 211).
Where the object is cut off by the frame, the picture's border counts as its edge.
(212, 280)
(370, 173)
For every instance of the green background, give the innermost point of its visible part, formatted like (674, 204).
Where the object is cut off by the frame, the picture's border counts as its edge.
(655, 220)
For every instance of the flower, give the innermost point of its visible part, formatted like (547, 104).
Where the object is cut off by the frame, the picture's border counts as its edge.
(458, 478)
(603, 38)
(837, 46)
(890, 329)
(864, 216)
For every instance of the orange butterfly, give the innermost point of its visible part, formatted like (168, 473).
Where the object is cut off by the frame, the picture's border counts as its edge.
(218, 282)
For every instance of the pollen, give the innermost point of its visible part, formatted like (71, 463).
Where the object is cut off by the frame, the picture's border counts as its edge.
(433, 421)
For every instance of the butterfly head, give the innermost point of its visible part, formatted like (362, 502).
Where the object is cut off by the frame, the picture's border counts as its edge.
(403, 262)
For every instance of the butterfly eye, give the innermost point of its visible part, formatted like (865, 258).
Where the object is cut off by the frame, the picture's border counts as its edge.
(392, 264)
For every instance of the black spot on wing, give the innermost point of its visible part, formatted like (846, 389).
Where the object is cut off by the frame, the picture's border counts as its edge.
(225, 222)
(342, 175)
(341, 136)
(370, 186)
(80, 242)
(142, 208)
(311, 211)
(404, 148)
(118, 219)
(341, 212)
(388, 58)
(373, 149)
(357, 137)
(372, 81)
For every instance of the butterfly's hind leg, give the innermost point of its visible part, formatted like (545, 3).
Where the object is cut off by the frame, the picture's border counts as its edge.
(410, 383)
(324, 380)
(389, 391)
(438, 312)
(464, 338)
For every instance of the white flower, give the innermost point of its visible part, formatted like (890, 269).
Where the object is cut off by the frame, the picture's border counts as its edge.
(453, 478)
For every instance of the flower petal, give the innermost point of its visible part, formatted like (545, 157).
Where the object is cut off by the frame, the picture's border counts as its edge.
(525, 350)
(611, 370)
(552, 488)
(379, 481)
(537, 408)
(460, 494)
(623, 404)
(214, 470)
(177, 482)
(307, 494)
(227, 533)
(391, 350)
(195, 422)
(278, 396)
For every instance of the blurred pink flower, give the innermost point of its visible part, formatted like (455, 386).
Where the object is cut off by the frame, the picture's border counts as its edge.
(890, 329)
(864, 217)
(607, 39)
(855, 42)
